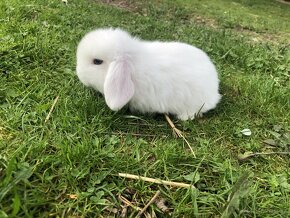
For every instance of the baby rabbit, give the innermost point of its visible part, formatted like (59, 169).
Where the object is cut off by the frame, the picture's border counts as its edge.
(155, 77)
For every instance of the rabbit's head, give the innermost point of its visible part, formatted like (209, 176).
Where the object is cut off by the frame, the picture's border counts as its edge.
(104, 63)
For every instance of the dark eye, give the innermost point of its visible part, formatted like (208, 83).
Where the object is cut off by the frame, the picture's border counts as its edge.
(97, 61)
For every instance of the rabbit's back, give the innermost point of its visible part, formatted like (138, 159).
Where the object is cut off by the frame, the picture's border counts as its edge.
(172, 77)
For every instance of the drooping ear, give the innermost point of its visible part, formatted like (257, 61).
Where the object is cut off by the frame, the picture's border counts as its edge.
(119, 87)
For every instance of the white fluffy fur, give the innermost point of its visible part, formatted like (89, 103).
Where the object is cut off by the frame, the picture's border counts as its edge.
(162, 77)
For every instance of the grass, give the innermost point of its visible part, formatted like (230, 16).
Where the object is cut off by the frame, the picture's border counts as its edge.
(68, 166)
(270, 17)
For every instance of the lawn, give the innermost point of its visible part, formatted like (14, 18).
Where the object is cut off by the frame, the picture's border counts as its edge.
(68, 165)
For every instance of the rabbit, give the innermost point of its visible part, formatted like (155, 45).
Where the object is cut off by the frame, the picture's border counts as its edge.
(150, 76)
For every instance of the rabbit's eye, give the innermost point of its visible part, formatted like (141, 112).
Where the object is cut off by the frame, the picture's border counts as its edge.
(97, 61)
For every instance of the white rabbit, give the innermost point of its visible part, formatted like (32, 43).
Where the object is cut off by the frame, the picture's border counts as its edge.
(158, 77)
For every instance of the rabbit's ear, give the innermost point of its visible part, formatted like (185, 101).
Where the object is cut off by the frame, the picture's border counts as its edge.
(119, 87)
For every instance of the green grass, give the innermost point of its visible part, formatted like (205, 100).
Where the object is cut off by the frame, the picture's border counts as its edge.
(68, 166)
(257, 15)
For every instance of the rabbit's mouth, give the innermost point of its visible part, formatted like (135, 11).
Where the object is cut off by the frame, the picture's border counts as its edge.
(83, 80)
